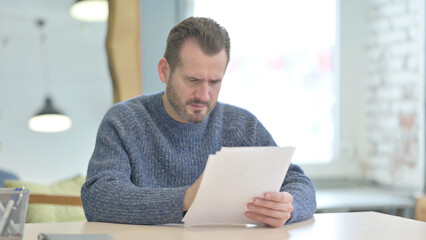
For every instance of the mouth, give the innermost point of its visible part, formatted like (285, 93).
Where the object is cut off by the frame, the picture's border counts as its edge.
(198, 106)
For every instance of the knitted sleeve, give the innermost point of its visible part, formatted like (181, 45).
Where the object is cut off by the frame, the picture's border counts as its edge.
(108, 194)
(303, 191)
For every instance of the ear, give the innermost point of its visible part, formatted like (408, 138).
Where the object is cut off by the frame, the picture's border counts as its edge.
(163, 70)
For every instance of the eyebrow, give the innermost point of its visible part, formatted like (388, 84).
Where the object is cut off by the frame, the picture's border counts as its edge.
(195, 78)
(192, 78)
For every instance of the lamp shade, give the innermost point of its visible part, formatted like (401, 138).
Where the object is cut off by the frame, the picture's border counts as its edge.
(49, 119)
(90, 10)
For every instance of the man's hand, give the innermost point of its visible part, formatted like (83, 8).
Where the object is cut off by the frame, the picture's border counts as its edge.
(190, 193)
(274, 209)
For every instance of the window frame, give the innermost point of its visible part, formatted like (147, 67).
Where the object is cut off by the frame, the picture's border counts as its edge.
(349, 70)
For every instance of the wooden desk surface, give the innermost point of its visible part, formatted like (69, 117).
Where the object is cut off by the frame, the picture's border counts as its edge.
(360, 225)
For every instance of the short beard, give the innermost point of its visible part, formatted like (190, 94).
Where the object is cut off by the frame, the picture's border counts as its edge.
(176, 103)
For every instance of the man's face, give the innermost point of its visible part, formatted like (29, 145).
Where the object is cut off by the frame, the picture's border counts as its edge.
(193, 88)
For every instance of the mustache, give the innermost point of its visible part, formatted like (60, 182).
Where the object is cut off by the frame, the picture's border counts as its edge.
(198, 102)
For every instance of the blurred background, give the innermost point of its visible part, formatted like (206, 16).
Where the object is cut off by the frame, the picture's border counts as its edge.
(342, 81)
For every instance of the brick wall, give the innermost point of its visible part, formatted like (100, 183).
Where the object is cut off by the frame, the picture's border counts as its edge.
(395, 92)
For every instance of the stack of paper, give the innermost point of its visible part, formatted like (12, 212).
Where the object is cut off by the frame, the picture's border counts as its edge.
(232, 178)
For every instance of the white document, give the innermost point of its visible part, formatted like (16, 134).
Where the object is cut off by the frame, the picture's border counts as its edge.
(232, 178)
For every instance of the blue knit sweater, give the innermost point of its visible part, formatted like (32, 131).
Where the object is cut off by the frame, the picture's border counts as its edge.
(144, 161)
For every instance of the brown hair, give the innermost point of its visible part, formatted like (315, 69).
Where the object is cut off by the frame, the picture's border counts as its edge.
(210, 36)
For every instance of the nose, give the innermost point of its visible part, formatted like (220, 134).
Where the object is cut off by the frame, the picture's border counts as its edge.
(202, 92)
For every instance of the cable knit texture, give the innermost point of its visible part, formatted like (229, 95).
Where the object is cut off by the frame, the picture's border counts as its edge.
(144, 161)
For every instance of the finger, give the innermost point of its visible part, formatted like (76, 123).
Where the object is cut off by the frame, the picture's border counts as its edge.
(260, 202)
(268, 212)
(283, 197)
(270, 221)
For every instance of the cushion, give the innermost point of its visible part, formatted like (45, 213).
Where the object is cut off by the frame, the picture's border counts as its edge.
(41, 213)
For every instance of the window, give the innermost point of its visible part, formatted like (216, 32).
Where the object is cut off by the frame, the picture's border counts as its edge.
(281, 69)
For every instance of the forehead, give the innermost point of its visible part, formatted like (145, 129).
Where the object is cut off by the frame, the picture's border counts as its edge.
(193, 59)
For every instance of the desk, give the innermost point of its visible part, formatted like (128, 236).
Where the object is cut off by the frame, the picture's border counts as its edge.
(357, 225)
(364, 198)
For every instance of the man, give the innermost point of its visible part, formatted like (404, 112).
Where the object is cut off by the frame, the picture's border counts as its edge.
(151, 150)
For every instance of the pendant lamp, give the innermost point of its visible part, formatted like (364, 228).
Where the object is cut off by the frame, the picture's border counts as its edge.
(90, 10)
(48, 119)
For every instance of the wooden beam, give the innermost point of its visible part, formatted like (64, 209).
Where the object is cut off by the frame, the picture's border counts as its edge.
(123, 44)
